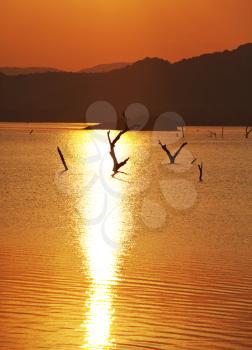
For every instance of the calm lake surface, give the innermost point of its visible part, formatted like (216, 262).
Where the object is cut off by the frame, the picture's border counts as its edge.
(149, 260)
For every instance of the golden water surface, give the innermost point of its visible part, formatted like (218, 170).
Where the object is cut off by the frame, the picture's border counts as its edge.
(151, 259)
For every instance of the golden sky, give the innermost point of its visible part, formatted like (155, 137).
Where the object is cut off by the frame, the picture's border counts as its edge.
(74, 34)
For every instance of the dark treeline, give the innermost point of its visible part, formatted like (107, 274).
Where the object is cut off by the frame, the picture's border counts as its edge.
(212, 89)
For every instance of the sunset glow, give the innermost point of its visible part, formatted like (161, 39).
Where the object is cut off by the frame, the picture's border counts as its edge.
(102, 252)
(80, 33)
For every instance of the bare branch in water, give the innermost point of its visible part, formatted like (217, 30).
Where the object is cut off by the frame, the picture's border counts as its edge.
(117, 165)
(212, 133)
(62, 158)
(183, 132)
(200, 166)
(172, 157)
(247, 131)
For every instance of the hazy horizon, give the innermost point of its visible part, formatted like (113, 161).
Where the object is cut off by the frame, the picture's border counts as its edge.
(116, 64)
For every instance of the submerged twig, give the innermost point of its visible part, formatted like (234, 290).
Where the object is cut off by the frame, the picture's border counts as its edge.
(247, 131)
(200, 166)
(62, 158)
(172, 157)
(183, 133)
(117, 165)
(212, 133)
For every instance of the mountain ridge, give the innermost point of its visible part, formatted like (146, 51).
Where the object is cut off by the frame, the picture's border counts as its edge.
(108, 67)
(208, 89)
(13, 71)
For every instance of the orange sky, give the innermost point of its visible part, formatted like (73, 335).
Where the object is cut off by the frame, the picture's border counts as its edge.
(73, 34)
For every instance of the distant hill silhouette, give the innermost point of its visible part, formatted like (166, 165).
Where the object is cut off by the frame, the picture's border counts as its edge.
(210, 89)
(100, 68)
(28, 70)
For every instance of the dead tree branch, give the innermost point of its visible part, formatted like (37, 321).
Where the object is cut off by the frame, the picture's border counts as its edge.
(183, 132)
(200, 166)
(117, 165)
(172, 157)
(212, 133)
(247, 131)
(62, 158)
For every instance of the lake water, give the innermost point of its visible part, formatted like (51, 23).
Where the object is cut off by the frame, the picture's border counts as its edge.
(149, 260)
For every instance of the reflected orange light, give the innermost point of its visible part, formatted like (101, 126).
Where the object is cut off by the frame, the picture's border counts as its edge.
(103, 258)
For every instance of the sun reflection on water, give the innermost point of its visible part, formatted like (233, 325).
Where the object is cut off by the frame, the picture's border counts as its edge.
(104, 214)
(102, 261)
